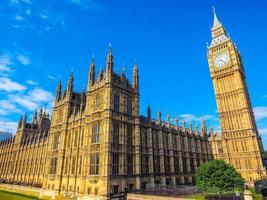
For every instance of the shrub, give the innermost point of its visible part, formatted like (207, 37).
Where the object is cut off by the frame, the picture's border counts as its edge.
(218, 177)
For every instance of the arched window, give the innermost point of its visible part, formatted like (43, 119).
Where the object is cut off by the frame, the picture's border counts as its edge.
(116, 103)
(98, 100)
(129, 106)
(96, 133)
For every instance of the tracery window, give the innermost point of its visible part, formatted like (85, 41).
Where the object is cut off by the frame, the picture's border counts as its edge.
(116, 132)
(96, 133)
(53, 166)
(129, 106)
(94, 164)
(117, 103)
(115, 163)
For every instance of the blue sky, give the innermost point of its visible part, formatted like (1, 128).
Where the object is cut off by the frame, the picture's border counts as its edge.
(41, 41)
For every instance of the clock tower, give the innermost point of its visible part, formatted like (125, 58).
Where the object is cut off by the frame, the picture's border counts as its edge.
(241, 143)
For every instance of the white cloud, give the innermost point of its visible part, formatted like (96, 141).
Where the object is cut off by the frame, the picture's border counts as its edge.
(31, 82)
(17, 2)
(260, 112)
(8, 85)
(9, 126)
(19, 18)
(191, 117)
(24, 101)
(33, 99)
(23, 59)
(40, 95)
(51, 77)
(5, 62)
(7, 108)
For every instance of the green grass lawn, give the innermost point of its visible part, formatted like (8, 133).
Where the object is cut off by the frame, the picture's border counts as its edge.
(4, 195)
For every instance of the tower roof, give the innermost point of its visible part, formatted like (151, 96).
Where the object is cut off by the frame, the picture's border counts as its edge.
(219, 34)
(216, 22)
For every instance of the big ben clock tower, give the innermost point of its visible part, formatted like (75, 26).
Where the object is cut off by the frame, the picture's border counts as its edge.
(241, 143)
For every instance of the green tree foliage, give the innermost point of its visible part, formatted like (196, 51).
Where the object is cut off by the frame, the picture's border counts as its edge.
(218, 177)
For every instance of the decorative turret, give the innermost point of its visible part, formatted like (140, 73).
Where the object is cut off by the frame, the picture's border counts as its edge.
(149, 113)
(123, 71)
(91, 78)
(191, 127)
(59, 90)
(24, 120)
(109, 64)
(20, 122)
(219, 34)
(70, 83)
(176, 121)
(34, 119)
(196, 129)
(184, 124)
(83, 100)
(169, 119)
(203, 128)
(135, 77)
(159, 117)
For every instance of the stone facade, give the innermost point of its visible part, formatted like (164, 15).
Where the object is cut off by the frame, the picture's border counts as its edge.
(99, 144)
(23, 157)
(240, 143)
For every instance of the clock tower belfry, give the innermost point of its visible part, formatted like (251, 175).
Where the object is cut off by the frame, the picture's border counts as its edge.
(241, 143)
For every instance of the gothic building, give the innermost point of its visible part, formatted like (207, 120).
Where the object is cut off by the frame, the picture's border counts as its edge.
(239, 143)
(99, 144)
(23, 157)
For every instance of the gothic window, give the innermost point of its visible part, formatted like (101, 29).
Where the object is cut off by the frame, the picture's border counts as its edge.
(155, 140)
(192, 164)
(53, 166)
(73, 165)
(115, 163)
(129, 106)
(117, 103)
(184, 165)
(129, 164)
(98, 100)
(69, 139)
(144, 138)
(66, 165)
(82, 137)
(129, 134)
(167, 164)
(116, 132)
(94, 164)
(96, 133)
(165, 141)
(76, 137)
(80, 165)
(176, 164)
(145, 164)
(157, 164)
(56, 141)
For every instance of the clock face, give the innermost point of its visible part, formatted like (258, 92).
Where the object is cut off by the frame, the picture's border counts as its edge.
(221, 60)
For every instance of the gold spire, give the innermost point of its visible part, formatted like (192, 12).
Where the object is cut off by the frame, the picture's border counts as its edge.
(216, 22)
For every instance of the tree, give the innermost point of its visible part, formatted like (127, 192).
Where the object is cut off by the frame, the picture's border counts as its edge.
(218, 177)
